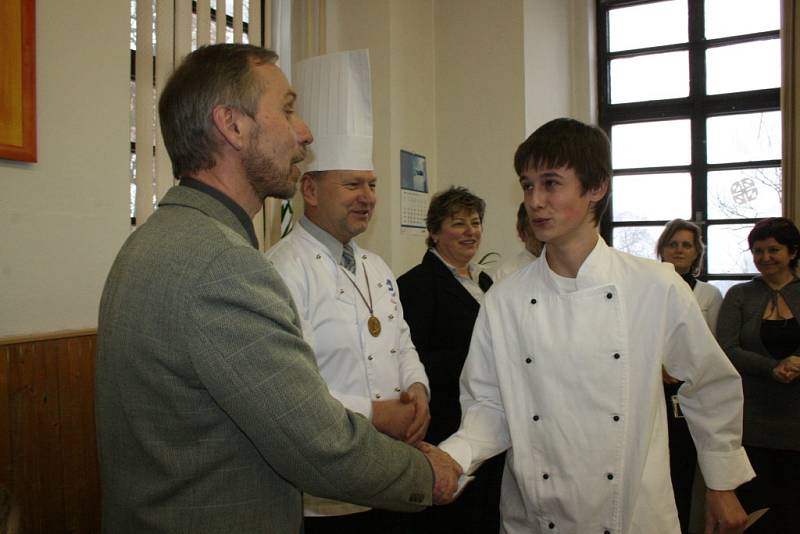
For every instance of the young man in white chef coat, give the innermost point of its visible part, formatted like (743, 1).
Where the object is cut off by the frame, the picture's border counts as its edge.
(346, 296)
(564, 370)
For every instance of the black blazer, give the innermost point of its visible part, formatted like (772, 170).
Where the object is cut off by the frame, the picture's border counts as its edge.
(441, 315)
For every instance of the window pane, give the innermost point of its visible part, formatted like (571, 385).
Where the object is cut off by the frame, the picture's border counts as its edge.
(229, 5)
(133, 184)
(736, 17)
(744, 193)
(651, 144)
(727, 249)
(647, 25)
(644, 197)
(724, 285)
(133, 111)
(133, 24)
(650, 77)
(638, 240)
(743, 67)
(213, 32)
(749, 137)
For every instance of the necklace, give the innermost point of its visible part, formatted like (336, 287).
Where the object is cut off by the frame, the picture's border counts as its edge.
(774, 301)
(776, 306)
(373, 323)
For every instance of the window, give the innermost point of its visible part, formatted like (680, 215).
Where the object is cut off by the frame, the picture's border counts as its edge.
(205, 15)
(689, 95)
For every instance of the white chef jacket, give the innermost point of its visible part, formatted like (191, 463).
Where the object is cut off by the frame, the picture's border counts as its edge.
(710, 301)
(570, 384)
(514, 264)
(357, 367)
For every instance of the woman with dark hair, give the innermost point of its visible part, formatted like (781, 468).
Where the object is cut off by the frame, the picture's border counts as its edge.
(681, 244)
(759, 330)
(441, 297)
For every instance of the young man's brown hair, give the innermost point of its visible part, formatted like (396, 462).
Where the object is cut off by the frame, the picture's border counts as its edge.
(569, 143)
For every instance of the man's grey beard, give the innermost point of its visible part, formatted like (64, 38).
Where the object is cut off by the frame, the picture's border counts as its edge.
(266, 179)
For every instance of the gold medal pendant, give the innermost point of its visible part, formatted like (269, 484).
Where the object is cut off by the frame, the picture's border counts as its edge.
(374, 326)
(373, 323)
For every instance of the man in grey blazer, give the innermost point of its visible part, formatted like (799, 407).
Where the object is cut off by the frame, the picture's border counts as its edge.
(211, 414)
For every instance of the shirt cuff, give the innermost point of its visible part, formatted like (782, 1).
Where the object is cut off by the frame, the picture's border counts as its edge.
(460, 450)
(725, 470)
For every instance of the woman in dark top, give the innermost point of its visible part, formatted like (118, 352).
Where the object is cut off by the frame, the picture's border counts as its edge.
(758, 329)
(441, 297)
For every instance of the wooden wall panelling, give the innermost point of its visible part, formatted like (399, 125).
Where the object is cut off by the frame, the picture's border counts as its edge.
(5, 418)
(78, 443)
(48, 454)
(35, 436)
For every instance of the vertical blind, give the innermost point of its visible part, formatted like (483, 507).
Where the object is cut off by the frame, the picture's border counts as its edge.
(298, 32)
(167, 30)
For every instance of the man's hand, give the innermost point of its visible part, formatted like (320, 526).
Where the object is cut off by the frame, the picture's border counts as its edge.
(417, 396)
(724, 514)
(445, 471)
(393, 417)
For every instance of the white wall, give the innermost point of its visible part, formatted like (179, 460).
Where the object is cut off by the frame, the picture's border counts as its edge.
(399, 36)
(547, 62)
(413, 112)
(450, 81)
(480, 108)
(463, 82)
(560, 61)
(583, 60)
(63, 219)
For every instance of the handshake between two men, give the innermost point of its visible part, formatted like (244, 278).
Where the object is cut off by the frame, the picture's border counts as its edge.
(407, 419)
(446, 472)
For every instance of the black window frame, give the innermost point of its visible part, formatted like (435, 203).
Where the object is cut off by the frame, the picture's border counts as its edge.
(697, 107)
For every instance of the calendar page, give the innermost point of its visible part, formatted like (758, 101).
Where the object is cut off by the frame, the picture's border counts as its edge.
(414, 209)
(414, 196)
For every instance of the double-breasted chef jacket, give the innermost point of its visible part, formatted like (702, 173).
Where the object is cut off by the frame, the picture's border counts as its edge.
(357, 367)
(570, 383)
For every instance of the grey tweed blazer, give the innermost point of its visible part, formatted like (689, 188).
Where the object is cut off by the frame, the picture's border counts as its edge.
(211, 414)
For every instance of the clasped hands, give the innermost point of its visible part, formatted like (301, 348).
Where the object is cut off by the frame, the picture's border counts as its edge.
(787, 370)
(405, 419)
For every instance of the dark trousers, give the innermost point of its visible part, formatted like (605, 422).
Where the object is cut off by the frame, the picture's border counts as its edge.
(370, 522)
(476, 511)
(777, 487)
(682, 460)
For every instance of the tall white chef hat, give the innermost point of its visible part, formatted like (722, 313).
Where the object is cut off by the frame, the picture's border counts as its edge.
(334, 97)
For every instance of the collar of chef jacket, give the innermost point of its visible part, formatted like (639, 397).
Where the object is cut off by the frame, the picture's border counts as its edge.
(595, 270)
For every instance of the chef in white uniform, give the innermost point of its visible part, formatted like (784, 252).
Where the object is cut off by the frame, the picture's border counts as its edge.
(564, 369)
(346, 296)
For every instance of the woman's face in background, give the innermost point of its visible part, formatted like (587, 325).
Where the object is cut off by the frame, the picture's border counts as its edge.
(771, 258)
(459, 238)
(680, 251)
